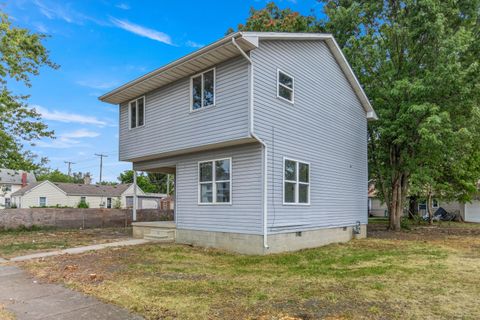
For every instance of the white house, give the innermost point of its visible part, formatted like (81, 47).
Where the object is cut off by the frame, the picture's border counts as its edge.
(10, 182)
(49, 194)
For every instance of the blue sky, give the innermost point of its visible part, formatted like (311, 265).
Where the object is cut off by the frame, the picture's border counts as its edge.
(102, 44)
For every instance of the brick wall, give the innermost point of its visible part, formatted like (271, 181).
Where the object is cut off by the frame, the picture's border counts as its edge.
(78, 218)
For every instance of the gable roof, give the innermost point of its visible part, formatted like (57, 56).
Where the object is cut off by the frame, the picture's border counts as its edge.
(222, 50)
(15, 176)
(74, 189)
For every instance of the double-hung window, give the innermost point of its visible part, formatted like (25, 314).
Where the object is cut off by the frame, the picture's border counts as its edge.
(285, 88)
(215, 181)
(203, 90)
(137, 112)
(42, 201)
(296, 182)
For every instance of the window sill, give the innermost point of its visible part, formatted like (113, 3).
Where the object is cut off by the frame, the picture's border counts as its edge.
(216, 204)
(296, 204)
(137, 128)
(202, 109)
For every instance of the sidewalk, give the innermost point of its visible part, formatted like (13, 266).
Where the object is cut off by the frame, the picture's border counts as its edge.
(76, 250)
(29, 300)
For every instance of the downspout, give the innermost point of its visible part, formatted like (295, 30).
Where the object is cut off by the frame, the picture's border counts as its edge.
(264, 145)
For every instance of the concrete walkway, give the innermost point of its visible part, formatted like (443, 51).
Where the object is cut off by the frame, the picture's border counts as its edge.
(77, 250)
(29, 300)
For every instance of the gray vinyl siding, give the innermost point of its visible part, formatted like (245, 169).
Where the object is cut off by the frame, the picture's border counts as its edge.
(170, 126)
(326, 126)
(244, 215)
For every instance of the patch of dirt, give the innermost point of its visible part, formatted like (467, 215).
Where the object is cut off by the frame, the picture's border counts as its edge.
(426, 232)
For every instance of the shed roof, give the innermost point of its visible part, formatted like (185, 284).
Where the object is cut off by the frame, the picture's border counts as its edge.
(222, 50)
(73, 189)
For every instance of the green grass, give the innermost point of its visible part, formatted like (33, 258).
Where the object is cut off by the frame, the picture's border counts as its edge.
(437, 278)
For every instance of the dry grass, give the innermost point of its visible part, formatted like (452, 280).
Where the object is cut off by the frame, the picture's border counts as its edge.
(400, 276)
(6, 315)
(24, 241)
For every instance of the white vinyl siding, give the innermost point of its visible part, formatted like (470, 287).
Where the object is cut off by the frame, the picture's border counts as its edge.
(171, 126)
(327, 128)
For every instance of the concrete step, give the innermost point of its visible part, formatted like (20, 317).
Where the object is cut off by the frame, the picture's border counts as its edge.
(160, 235)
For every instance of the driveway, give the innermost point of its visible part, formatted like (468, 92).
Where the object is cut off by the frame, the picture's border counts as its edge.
(27, 299)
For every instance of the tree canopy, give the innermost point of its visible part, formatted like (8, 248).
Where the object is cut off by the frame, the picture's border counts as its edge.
(418, 62)
(58, 176)
(22, 54)
(148, 182)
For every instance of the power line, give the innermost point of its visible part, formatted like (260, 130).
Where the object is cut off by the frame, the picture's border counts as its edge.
(101, 155)
(69, 163)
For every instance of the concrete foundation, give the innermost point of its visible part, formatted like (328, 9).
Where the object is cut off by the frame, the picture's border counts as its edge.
(279, 242)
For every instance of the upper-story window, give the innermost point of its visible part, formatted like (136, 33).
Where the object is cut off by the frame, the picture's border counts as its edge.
(137, 112)
(203, 90)
(7, 187)
(285, 88)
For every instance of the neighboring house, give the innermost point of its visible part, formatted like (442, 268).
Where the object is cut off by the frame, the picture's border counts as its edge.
(11, 181)
(376, 207)
(267, 138)
(49, 194)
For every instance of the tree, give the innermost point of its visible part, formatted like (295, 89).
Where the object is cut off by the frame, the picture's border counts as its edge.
(418, 63)
(22, 54)
(272, 18)
(58, 176)
(142, 181)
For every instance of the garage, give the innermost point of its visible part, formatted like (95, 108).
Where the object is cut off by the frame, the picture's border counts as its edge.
(472, 211)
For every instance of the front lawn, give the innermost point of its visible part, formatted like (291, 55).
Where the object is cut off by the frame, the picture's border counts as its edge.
(401, 275)
(25, 241)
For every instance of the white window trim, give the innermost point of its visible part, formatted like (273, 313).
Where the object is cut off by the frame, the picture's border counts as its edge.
(136, 107)
(214, 184)
(214, 90)
(46, 201)
(280, 84)
(111, 203)
(297, 183)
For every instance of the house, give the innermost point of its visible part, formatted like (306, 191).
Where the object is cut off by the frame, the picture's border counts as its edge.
(11, 181)
(267, 139)
(376, 207)
(51, 194)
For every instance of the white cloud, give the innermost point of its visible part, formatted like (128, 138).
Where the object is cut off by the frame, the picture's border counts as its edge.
(54, 12)
(193, 44)
(67, 117)
(142, 31)
(41, 27)
(68, 139)
(81, 133)
(95, 84)
(123, 6)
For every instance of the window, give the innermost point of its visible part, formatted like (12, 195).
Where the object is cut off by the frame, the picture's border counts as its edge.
(203, 90)
(7, 187)
(214, 181)
(435, 203)
(109, 203)
(137, 112)
(83, 199)
(42, 201)
(7, 203)
(296, 182)
(284, 86)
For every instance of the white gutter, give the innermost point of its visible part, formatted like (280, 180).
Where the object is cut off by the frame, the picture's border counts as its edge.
(265, 148)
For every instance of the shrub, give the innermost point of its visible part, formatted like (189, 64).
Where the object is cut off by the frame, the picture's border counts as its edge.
(83, 205)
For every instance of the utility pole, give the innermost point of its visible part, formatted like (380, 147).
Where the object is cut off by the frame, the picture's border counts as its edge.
(101, 155)
(69, 163)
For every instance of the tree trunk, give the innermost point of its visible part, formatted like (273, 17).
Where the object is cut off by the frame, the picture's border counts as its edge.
(395, 206)
(412, 207)
(430, 208)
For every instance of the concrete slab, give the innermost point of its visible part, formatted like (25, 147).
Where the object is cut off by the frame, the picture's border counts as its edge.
(30, 300)
(78, 250)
